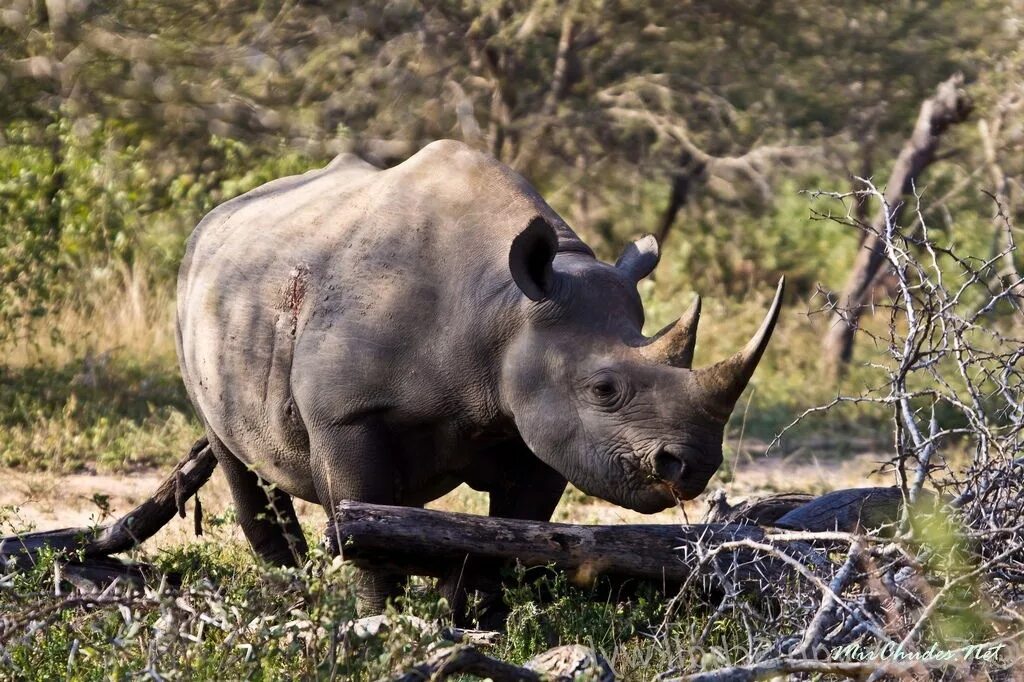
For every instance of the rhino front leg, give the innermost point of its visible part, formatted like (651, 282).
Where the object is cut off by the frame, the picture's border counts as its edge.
(353, 462)
(531, 493)
(265, 513)
(520, 487)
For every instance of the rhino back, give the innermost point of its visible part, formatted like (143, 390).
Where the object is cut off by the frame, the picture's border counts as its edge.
(349, 291)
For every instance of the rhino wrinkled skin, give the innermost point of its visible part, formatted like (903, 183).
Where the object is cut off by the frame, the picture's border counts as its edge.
(385, 335)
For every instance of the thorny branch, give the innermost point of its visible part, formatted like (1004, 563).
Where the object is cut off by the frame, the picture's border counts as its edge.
(954, 385)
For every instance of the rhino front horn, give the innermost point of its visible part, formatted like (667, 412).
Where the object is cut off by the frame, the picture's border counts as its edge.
(722, 383)
(674, 344)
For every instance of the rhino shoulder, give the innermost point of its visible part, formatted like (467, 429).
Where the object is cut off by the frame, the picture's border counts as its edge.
(452, 160)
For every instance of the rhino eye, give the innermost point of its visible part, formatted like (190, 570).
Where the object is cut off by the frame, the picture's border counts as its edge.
(605, 390)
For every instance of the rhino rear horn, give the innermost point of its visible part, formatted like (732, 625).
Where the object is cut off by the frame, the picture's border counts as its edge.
(723, 383)
(639, 258)
(674, 345)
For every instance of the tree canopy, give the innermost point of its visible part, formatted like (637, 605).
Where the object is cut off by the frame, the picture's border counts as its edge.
(123, 122)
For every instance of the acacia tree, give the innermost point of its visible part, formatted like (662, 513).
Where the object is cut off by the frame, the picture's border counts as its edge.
(607, 107)
(107, 124)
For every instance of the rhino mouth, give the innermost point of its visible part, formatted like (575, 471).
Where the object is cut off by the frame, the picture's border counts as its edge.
(641, 488)
(679, 490)
(652, 499)
(678, 469)
(690, 487)
(650, 493)
(688, 493)
(678, 493)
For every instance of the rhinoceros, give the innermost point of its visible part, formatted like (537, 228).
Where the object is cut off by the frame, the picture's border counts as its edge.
(386, 335)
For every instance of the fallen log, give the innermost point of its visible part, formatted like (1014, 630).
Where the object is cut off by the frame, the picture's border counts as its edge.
(420, 542)
(852, 510)
(88, 549)
(763, 511)
(414, 541)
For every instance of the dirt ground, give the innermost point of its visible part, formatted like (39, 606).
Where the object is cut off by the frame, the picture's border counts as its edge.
(40, 501)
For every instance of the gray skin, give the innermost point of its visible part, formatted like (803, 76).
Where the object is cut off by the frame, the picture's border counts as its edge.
(385, 335)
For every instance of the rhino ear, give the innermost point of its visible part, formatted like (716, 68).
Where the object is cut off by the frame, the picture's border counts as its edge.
(530, 258)
(639, 258)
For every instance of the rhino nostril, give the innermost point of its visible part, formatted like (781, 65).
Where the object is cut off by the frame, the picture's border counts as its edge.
(669, 465)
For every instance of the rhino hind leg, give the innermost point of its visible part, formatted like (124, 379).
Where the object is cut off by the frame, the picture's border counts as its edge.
(265, 513)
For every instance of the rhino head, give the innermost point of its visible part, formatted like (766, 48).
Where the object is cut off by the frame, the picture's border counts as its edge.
(622, 416)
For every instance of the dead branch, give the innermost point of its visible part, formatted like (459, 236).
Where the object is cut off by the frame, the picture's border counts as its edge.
(89, 548)
(948, 106)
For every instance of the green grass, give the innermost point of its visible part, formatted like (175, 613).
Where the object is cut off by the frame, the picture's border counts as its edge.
(107, 412)
(232, 618)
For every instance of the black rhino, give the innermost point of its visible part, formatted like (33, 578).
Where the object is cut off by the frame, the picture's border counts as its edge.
(385, 335)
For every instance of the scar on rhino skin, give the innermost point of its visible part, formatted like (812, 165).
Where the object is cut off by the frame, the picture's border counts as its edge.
(295, 293)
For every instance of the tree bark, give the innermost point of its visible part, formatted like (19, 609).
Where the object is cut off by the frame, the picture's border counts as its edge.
(423, 542)
(689, 172)
(950, 105)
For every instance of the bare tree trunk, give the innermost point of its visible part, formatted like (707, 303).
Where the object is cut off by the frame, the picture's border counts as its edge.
(688, 174)
(414, 541)
(559, 85)
(989, 132)
(949, 105)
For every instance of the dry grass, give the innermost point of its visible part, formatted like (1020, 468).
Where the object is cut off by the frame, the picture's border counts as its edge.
(102, 392)
(118, 311)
